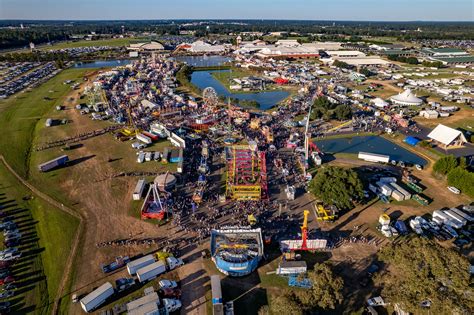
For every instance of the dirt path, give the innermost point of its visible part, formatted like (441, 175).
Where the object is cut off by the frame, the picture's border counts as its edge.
(69, 263)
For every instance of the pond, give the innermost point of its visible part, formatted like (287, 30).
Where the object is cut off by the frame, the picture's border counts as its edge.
(370, 144)
(102, 64)
(203, 61)
(204, 79)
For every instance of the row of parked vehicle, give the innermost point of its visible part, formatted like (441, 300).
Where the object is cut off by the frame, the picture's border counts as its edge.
(11, 70)
(446, 224)
(8, 257)
(29, 80)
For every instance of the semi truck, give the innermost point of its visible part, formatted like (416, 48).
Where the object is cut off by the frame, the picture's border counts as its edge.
(151, 271)
(94, 299)
(59, 161)
(133, 266)
(174, 262)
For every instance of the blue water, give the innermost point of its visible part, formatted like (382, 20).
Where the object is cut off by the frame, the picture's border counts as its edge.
(203, 61)
(102, 64)
(370, 144)
(204, 79)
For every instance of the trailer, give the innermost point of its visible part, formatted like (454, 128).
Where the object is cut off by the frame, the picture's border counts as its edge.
(136, 264)
(141, 157)
(420, 200)
(401, 190)
(462, 214)
(139, 189)
(144, 138)
(150, 135)
(148, 156)
(217, 301)
(386, 190)
(398, 196)
(166, 155)
(176, 156)
(59, 161)
(414, 187)
(441, 215)
(151, 271)
(373, 157)
(92, 300)
(456, 217)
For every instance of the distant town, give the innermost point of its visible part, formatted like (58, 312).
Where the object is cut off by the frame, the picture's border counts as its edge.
(236, 167)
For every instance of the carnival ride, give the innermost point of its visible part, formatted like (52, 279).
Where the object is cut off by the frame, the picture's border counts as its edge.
(304, 243)
(246, 173)
(324, 214)
(154, 207)
(236, 251)
(209, 97)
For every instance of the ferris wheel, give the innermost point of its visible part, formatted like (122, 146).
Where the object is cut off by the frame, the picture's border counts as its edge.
(209, 96)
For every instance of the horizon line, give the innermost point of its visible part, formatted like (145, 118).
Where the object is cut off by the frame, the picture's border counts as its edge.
(232, 19)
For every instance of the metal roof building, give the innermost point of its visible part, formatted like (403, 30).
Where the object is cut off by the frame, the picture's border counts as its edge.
(447, 136)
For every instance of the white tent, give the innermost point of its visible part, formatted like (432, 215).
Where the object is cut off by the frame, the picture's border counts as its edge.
(378, 102)
(447, 136)
(406, 98)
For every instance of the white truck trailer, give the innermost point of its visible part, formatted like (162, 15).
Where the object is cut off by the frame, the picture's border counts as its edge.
(151, 271)
(139, 189)
(92, 300)
(144, 139)
(454, 216)
(373, 157)
(133, 266)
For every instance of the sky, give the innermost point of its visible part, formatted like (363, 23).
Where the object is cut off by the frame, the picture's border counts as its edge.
(362, 10)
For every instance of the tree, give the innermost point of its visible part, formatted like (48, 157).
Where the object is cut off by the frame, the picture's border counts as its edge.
(338, 186)
(326, 291)
(341, 64)
(343, 112)
(445, 164)
(419, 270)
(462, 179)
(284, 304)
(323, 103)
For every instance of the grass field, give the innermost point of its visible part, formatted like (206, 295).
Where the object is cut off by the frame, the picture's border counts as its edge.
(20, 113)
(112, 42)
(51, 232)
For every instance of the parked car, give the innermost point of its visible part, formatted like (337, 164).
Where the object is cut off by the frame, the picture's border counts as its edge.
(6, 280)
(5, 306)
(6, 294)
(9, 286)
(170, 284)
(454, 190)
(9, 256)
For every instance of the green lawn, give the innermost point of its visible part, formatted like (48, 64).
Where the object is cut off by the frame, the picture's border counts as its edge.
(20, 113)
(54, 230)
(112, 42)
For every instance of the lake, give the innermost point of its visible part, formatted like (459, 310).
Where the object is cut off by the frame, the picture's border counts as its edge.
(102, 64)
(204, 79)
(370, 144)
(203, 61)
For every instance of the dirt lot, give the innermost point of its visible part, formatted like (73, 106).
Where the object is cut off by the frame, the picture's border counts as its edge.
(87, 187)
